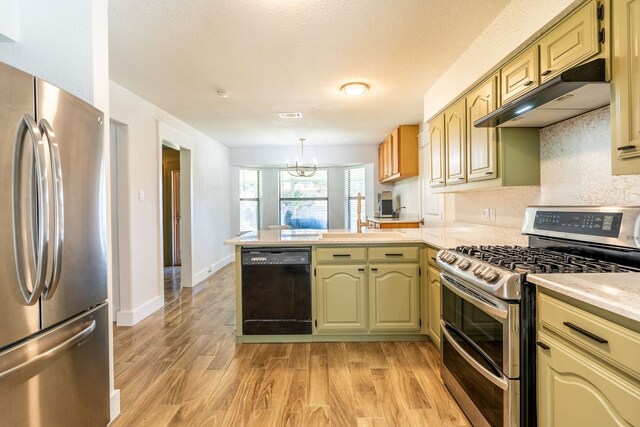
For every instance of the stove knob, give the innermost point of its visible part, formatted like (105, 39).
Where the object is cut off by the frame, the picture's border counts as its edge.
(478, 270)
(451, 258)
(464, 264)
(490, 275)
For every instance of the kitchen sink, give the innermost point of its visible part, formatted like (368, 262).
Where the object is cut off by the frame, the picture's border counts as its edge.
(380, 235)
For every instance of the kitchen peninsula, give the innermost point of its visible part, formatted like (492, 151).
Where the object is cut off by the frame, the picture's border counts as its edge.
(375, 285)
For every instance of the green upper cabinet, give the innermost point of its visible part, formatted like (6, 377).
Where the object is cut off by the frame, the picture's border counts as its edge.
(455, 143)
(519, 75)
(571, 42)
(625, 87)
(482, 142)
(436, 151)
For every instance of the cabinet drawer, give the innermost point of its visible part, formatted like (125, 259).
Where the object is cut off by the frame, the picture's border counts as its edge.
(613, 343)
(341, 254)
(431, 256)
(394, 253)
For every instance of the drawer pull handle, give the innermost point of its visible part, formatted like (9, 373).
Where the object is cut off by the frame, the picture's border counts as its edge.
(545, 73)
(374, 269)
(433, 259)
(361, 269)
(341, 255)
(542, 345)
(393, 254)
(626, 147)
(585, 332)
(527, 83)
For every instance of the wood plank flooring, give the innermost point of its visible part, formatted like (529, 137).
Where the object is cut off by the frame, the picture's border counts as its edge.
(182, 367)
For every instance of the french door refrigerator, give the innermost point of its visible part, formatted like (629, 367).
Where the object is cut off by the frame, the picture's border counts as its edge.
(54, 351)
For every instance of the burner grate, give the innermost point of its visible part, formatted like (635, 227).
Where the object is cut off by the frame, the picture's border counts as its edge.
(526, 260)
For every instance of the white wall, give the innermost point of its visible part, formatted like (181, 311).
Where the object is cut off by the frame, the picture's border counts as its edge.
(141, 269)
(56, 43)
(9, 21)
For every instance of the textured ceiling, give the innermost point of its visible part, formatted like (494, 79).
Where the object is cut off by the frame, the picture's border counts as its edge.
(290, 56)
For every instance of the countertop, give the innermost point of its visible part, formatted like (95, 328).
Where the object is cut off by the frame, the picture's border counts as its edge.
(618, 293)
(448, 236)
(412, 219)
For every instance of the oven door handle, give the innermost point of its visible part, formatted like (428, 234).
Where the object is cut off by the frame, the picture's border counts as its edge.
(488, 308)
(497, 381)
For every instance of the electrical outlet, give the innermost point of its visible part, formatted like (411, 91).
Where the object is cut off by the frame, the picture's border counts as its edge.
(141, 195)
(485, 214)
(492, 215)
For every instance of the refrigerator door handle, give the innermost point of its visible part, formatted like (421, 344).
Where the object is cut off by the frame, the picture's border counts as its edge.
(58, 208)
(27, 244)
(51, 353)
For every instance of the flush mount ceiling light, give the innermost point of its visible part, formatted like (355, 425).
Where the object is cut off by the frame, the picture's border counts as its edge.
(222, 93)
(290, 115)
(300, 169)
(355, 89)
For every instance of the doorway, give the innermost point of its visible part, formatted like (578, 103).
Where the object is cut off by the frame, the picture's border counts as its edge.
(171, 214)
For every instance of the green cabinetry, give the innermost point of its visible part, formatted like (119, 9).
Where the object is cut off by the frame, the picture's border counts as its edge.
(625, 88)
(433, 292)
(394, 297)
(341, 298)
(588, 367)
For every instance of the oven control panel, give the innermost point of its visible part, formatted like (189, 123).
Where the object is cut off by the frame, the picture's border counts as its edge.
(604, 224)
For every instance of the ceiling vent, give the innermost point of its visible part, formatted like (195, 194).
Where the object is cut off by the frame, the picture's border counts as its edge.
(290, 115)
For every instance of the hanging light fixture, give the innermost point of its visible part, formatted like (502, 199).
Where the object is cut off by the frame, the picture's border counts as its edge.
(300, 169)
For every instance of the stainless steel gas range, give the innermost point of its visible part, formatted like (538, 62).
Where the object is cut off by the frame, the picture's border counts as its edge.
(488, 306)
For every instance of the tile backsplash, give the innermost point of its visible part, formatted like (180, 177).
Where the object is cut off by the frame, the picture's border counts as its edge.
(575, 169)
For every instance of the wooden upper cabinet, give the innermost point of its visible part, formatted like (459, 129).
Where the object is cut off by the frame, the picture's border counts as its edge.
(400, 154)
(519, 75)
(395, 152)
(381, 162)
(455, 138)
(436, 151)
(625, 101)
(571, 42)
(482, 143)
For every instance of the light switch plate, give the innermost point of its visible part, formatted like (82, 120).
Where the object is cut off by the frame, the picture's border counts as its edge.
(141, 195)
(492, 215)
(485, 214)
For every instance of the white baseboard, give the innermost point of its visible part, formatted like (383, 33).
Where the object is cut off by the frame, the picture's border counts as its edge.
(205, 273)
(115, 404)
(130, 318)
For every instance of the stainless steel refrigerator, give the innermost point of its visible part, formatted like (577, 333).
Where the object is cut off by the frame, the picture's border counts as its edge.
(54, 339)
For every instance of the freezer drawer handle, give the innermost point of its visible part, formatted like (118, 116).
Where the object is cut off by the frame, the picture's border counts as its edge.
(58, 209)
(30, 287)
(51, 353)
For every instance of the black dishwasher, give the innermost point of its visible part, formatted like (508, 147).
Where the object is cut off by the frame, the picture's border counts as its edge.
(276, 291)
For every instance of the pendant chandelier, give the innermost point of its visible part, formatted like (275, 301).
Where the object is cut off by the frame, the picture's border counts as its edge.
(300, 169)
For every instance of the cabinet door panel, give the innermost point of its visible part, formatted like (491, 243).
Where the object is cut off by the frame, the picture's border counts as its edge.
(481, 142)
(395, 152)
(434, 305)
(575, 390)
(519, 75)
(436, 149)
(393, 297)
(380, 162)
(625, 101)
(455, 125)
(340, 302)
(570, 43)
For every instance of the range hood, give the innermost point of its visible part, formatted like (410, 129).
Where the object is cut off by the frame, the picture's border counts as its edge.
(574, 92)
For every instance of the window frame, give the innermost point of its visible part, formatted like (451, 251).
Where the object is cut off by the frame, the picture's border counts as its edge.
(349, 197)
(294, 199)
(252, 199)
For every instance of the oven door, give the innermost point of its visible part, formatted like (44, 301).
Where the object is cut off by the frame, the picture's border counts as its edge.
(480, 353)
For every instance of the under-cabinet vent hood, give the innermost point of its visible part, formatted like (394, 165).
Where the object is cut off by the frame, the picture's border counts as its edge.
(574, 92)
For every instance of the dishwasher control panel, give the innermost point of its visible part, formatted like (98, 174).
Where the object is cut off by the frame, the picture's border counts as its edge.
(276, 256)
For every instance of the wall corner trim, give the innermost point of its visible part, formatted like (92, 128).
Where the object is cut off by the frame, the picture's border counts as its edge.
(130, 318)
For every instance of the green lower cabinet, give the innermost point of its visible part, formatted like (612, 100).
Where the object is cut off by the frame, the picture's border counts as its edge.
(434, 304)
(394, 298)
(576, 389)
(341, 298)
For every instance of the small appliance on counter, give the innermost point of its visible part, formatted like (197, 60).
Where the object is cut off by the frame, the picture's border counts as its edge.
(385, 205)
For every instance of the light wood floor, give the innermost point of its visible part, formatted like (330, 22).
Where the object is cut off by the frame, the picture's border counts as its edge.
(182, 367)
